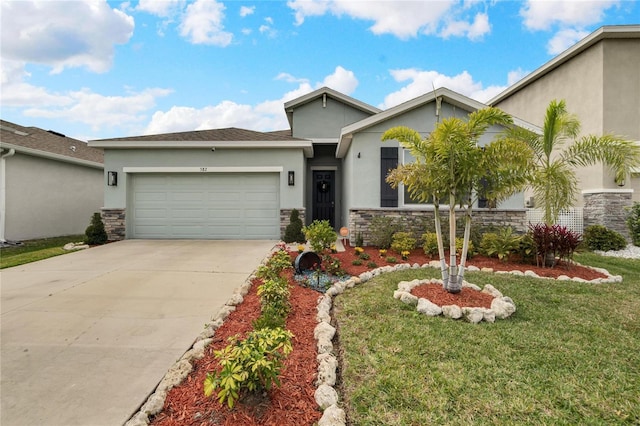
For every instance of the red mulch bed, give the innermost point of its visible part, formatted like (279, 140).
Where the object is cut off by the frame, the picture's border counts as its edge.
(293, 403)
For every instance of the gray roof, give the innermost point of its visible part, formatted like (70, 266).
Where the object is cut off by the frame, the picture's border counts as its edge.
(36, 141)
(230, 134)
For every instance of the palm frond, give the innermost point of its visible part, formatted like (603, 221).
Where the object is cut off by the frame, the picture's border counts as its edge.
(620, 154)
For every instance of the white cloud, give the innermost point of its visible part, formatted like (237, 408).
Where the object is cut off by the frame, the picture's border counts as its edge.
(473, 30)
(265, 116)
(80, 34)
(564, 39)
(164, 8)
(403, 20)
(420, 82)
(247, 10)
(342, 80)
(542, 15)
(202, 24)
(99, 111)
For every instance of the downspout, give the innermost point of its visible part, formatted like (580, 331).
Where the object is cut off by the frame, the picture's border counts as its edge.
(3, 190)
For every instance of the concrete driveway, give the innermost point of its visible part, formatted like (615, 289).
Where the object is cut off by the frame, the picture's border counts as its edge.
(88, 335)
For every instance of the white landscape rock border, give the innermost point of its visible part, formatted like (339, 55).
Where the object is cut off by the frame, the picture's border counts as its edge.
(501, 307)
(326, 396)
(324, 332)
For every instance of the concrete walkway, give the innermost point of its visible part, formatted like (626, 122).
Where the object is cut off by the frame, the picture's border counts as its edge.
(88, 335)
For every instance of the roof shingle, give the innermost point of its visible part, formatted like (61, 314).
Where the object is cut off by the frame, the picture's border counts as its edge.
(48, 142)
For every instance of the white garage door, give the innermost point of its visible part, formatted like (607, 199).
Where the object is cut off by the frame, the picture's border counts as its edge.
(206, 206)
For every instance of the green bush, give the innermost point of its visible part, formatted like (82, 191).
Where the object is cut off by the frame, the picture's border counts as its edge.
(252, 364)
(293, 232)
(320, 235)
(364, 256)
(95, 232)
(356, 262)
(460, 243)
(382, 229)
(372, 264)
(598, 237)
(501, 244)
(359, 240)
(403, 241)
(633, 222)
(391, 259)
(430, 243)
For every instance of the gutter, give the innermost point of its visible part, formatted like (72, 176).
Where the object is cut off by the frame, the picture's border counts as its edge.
(3, 190)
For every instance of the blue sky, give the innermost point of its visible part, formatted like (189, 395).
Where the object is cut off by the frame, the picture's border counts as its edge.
(97, 69)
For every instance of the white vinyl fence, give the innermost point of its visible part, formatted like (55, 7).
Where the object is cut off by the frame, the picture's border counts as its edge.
(571, 218)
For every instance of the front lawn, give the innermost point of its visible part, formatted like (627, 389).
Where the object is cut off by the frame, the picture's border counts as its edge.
(33, 250)
(569, 355)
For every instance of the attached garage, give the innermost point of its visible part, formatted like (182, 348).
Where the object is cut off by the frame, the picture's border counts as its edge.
(205, 205)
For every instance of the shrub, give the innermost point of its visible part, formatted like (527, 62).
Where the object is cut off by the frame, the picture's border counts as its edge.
(320, 235)
(332, 266)
(460, 243)
(293, 232)
(364, 256)
(633, 222)
(403, 241)
(372, 264)
(252, 364)
(382, 229)
(391, 259)
(356, 262)
(95, 232)
(526, 248)
(553, 241)
(501, 244)
(598, 237)
(359, 239)
(430, 243)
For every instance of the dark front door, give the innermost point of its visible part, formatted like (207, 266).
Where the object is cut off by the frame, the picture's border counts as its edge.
(324, 195)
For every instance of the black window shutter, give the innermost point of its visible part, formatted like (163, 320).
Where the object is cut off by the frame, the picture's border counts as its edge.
(388, 161)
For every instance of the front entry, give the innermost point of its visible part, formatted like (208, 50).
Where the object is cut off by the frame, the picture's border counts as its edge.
(324, 196)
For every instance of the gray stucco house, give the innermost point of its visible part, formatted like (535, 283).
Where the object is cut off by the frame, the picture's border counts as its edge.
(241, 184)
(51, 184)
(599, 78)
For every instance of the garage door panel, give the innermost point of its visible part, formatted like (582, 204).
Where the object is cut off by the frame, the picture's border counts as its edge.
(151, 213)
(207, 206)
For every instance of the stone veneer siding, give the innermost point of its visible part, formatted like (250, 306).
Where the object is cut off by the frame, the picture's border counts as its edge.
(285, 215)
(114, 223)
(608, 209)
(421, 221)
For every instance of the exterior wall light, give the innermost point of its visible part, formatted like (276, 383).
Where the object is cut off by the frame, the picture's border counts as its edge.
(291, 178)
(112, 178)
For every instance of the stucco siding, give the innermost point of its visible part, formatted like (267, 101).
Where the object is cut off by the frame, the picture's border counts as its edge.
(362, 164)
(621, 110)
(579, 82)
(47, 198)
(313, 120)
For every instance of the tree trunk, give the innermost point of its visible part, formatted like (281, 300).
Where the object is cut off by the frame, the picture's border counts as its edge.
(454, 286)
(465, 246)
(443, 263)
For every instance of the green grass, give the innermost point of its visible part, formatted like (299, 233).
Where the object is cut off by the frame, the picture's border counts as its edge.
(34, 250)
(569, 355)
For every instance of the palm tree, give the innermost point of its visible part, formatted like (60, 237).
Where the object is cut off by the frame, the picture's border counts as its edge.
(450, 167)
(554, 182)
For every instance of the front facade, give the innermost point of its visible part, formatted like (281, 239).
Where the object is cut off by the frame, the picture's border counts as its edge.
(51, 184)
(240, 184)
(599, 80)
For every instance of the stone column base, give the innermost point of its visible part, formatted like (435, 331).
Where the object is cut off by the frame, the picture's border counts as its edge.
(607, 207)
(114, 223)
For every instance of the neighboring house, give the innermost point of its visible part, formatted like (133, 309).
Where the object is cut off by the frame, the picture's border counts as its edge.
(599, 78)
(240, 184)
(50, 184)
